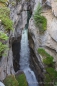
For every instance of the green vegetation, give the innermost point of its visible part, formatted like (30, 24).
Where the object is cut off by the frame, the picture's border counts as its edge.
(51, 73)
(2, 48)
(48, 60)
(3, 36)
(11, 81)
(50, 76)
(4, 11)
(7, 23)
(19, 80)
(4, 17)
(22, 80)
(40, 21)
(3, 1)
(13, 3)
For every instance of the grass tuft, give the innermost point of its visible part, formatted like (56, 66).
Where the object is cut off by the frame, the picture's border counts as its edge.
(39, 20)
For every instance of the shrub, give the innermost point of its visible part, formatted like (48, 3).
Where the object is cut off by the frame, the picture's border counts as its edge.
(4, 16)
(3, 36)
(22, 80)
(47, 80)
(38, 10)
(50, 76)
(2, 48)
(10, 81)
(48, 60)
(52, 72)
(8, 24)
(40, 21)
(4, 11)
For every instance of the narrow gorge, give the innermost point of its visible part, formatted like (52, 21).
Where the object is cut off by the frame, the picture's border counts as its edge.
(28, 43)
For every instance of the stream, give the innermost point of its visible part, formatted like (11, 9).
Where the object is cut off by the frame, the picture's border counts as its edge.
(24, 59)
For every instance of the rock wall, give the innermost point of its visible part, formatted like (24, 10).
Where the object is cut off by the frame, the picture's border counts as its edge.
(48, 39)
(18, 14)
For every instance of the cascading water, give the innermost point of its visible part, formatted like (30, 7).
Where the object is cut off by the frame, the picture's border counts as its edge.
(24, 60)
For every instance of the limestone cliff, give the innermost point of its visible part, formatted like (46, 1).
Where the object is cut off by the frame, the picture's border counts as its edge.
(48, 39)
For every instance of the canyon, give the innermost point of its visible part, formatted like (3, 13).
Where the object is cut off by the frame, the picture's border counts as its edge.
(10, 63)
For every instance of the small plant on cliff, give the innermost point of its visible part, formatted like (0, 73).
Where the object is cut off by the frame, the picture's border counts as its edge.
(4, 11)
(2, 48)
(5, 19)
(8, 24)
(22, 80)
(11, 81)
(40, 21)
(48, 60)
(3, 36)
(50, 76)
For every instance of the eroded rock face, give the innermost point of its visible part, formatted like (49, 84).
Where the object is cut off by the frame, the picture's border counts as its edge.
(53, 5)
(48, 39)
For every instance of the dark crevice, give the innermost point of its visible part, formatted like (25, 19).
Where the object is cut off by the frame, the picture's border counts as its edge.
(16, 54)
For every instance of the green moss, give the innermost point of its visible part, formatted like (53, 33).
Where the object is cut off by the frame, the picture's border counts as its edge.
(10, 81)
(2, 48)
(21, 80)
(40, 21)
(3, 36)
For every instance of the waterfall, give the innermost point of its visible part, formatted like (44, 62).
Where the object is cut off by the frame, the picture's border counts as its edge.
(24, 60)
